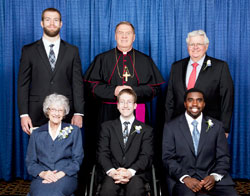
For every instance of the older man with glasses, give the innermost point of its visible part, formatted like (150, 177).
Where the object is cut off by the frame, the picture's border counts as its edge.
(201, 71)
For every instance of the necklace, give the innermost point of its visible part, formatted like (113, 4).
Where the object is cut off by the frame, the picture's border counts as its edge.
(126, 71)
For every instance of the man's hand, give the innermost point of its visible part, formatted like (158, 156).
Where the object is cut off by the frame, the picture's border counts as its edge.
(208, 182)
(193, 184)
(26, 124)
(227, 134)
(119, 88)
(113, 174)
(77, 120)
(124, 175)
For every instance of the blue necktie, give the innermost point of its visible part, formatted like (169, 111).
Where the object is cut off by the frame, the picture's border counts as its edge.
(125, 132)
(195, 136)
(52, 57)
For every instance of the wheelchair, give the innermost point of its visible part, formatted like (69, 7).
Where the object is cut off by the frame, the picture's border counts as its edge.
(93, 189)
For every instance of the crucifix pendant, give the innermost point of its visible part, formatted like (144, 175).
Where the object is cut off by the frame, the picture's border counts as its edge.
(126, 73)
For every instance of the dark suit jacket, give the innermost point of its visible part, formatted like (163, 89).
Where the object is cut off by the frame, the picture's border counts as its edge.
(36, 79)
(138, 153)
(215, 81)
(178, 151)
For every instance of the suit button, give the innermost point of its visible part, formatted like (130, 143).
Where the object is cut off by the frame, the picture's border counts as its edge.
(52, 82)
(123, 158)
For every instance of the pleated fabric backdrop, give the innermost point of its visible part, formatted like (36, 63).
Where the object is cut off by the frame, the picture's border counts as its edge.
(161, 29)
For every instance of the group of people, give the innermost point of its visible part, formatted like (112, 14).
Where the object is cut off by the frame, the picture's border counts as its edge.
(118, 83)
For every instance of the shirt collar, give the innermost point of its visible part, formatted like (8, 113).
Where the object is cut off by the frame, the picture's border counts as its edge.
(200, 62)
(47, 42)
(124, 53)
(131, 120)
(57, 131)
(190, 120)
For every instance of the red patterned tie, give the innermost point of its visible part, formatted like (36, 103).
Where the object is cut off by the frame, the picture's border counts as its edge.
(191, 81)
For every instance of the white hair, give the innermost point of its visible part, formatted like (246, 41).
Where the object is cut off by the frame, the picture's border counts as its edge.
(56, 100)
(197, 33)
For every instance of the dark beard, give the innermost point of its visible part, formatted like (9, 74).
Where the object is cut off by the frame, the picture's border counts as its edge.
(51, 33)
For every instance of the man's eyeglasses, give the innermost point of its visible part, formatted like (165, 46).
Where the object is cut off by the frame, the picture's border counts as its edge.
(196, 45)
(126, 102)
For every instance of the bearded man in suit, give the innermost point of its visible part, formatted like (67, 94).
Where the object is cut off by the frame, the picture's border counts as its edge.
(195, 152)
(49, 65)
(201, 71)
(125, 150)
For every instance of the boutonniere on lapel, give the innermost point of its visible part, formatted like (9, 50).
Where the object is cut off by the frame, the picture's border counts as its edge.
(64, 133)
(208, 64)
(209, 124)
(137, 130)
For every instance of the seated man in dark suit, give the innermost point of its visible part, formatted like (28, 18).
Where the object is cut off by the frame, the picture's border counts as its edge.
(195, 152)
(125, 150)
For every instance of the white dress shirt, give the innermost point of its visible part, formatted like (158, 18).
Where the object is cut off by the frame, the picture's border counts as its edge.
(190, 68)
(56, 46)
(217, 177)
(57, 131)
(131, 120)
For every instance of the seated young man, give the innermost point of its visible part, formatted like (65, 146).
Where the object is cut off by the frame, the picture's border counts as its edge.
(195, 152)
(125, 150)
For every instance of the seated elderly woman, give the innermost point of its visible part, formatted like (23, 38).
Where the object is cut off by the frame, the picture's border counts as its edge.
(54, 152)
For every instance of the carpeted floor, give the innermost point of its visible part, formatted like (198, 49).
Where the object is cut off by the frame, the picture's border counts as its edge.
(21, 187)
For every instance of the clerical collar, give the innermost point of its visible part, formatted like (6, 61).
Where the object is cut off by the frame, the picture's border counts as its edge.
(124, 53)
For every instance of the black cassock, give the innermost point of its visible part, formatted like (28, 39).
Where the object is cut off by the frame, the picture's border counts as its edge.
(109, 70)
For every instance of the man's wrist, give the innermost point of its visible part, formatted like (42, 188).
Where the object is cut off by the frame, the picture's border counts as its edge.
(183, 177)
(78, 114)
(24, 115)
(132, 171)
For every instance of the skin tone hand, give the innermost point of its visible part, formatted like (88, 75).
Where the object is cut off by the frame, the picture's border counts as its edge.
(193, 184)
(114, 174)
(51, 176)
(124, 175)
(77, 120)
(26, 124)
(208, 182)
(227, 134)
(119, 88)
(120, 176)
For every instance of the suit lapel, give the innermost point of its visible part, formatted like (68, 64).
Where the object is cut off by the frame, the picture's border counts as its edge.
(184, 71)
(186, 132)
(203, 135)
(132, 134)
(60, 56)
(117, 127)
(202, 72)
(44, 57)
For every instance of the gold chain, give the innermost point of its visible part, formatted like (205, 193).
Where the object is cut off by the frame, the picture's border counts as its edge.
(126, 66)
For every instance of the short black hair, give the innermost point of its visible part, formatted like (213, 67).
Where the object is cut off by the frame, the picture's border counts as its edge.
(194, 90)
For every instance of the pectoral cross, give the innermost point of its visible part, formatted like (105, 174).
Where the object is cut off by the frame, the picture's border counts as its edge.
(126, 73)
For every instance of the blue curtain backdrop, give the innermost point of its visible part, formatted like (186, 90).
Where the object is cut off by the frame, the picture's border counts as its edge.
(161, 28)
